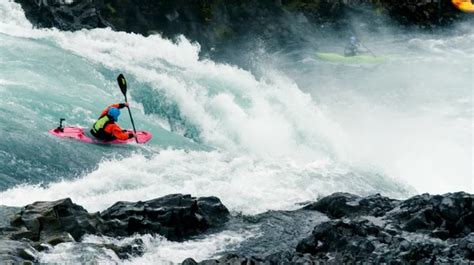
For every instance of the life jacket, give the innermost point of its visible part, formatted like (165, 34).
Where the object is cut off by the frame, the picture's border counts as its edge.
(98, 129)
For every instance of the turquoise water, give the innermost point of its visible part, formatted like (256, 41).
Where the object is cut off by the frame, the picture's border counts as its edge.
(41, 83)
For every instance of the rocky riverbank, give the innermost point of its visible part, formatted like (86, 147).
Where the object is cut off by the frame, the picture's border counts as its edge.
(423, 229)
(345, 228)
(41, 225)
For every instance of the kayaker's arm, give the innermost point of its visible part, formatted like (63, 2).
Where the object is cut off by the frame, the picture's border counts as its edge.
(118, 133)
(116, 105)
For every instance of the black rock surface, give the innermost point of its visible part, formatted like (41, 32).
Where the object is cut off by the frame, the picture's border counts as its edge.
(175, 216)
(375, 229)
(339, 205)
(45, 221)
(41, 225)
(17, 252)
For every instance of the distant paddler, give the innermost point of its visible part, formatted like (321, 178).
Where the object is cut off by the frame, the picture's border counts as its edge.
(354, 53)
(354, 47)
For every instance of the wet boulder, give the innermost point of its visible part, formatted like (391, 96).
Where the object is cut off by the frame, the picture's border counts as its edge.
(17, 252)
(64, 15)
(230, 259)
(443, 216)
(341, 204)
(53, 222)
(338, 236)
(174, 216)
(135, 248)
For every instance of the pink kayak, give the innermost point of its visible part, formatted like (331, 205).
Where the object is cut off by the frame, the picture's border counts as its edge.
(79, 134)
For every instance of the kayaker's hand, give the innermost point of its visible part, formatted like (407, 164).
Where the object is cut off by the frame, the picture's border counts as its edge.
(123, 105)
(130, 135)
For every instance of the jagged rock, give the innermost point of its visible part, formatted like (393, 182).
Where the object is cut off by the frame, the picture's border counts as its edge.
(335, 236)
(230, 259)
(17, 252)
(49, 221)
(127, 251)
(6, 213)
(62, 15)
(174, 216)
(338, 205)
(45, 224)
(443, 216)
(379, 230)
(353, 241)
(374, 229)
(54, 239)
(383, 230)
(286, 257)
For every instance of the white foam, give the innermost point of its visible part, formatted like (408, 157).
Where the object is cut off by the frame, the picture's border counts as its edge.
(244, 184)
(158, 250)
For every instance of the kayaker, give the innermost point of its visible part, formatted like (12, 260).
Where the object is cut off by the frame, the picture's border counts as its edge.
(354, 47)
(105, 127)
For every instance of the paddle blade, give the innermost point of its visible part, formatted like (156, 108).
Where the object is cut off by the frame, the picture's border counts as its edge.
(122, 84)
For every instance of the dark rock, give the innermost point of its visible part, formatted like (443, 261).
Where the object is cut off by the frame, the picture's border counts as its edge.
(129, 250)
(42, 225)
(7, 213)
(336, 205)
(49, 221)
(284, 257)
(56, 13)
(174, 216)
(17, 252)
(335, 236)
(435, 229)
(378, 230)
(443, 216)
(54, 239)
(232, 259)
(339, 205)
(278, 231)
(422, 229)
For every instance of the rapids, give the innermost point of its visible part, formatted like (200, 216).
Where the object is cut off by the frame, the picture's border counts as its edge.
(297, 130)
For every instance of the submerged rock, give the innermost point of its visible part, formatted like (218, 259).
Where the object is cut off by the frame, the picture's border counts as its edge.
(174, 216)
